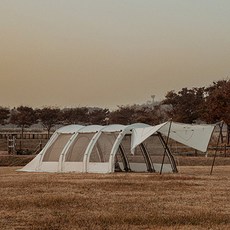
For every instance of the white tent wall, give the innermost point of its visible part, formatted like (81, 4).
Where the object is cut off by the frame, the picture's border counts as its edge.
(93, 152)
(53, 163)
(82, 149)
(73, 156)
(105, 167)
(36, 162)
(100, 154)
(53, 153)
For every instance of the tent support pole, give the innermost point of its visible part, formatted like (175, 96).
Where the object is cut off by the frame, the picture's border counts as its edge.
(217, 145)
(166, 144)
(167, 150)
(148, 160)
(124, 158)
(169, 154)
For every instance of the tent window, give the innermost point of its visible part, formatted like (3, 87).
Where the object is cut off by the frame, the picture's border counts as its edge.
(137, 157)
(156, 150)
(102, 149)
(136, 161)
(54, 151)
(78, 147)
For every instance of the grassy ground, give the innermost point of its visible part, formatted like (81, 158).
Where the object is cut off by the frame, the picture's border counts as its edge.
(21, 160)
(191, 199)
(15, 160)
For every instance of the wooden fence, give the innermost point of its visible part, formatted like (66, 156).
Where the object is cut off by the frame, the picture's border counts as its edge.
(25, 135)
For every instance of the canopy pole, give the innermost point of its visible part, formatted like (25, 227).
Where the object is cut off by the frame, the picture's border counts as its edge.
(217, 145)
(168, 153)
(162, 164)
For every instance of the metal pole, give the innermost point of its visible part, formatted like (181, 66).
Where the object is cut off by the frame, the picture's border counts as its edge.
(168, 153)
(162, 164)
(217, 145)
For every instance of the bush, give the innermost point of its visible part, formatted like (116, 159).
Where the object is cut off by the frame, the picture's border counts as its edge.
(24, 152)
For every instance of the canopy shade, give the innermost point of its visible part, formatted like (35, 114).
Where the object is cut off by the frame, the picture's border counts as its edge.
(194, 136)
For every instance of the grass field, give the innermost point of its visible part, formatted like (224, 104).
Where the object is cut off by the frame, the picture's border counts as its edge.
(191, 199)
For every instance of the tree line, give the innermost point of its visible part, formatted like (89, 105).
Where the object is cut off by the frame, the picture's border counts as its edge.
(207, 104)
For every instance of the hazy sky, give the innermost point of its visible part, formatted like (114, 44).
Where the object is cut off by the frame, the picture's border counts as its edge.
(109, 52)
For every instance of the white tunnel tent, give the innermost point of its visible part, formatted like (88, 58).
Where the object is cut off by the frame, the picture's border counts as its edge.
(104, 149)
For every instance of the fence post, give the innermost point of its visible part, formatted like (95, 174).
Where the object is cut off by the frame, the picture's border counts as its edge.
(11, 143)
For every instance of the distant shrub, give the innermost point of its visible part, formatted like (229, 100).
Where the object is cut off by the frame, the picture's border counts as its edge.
(24, 152)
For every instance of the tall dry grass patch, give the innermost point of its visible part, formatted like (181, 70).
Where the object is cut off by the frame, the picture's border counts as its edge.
(189, 200)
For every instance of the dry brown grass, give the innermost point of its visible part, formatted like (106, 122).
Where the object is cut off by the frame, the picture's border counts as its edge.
(15, 160)
(190, 199)
(21, 160)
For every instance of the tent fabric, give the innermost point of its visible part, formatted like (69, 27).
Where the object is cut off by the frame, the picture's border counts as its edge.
(139, 135)
(96, 148)
(194, 136)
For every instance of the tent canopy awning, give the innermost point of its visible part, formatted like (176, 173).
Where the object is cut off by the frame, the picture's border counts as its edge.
(194, 136)
(139, 135)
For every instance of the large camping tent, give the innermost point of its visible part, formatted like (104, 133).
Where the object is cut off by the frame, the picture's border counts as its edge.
(105, 149)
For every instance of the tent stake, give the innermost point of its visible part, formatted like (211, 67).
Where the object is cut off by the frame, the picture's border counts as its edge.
(162, 164)
(217, 145)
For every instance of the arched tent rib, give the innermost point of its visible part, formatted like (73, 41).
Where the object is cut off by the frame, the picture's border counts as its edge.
(127, 130)
(105, 129)
(90, 147)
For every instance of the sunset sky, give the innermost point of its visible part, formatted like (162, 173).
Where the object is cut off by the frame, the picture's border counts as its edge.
(109, 52)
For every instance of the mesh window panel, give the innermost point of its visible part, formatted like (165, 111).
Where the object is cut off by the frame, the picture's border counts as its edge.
(54, 151)
(119, 164)
(137, 157)
(156, 150)
(102, 149)
(78, 147)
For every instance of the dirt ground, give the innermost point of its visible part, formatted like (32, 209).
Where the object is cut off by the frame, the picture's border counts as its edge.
(191, 199)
